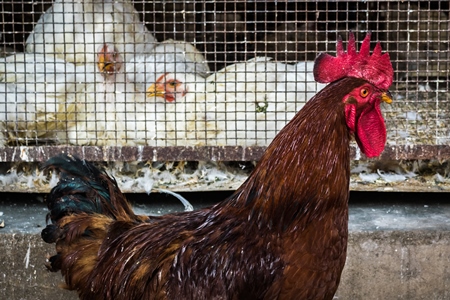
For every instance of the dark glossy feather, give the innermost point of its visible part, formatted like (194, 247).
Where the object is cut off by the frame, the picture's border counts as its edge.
(85, 188)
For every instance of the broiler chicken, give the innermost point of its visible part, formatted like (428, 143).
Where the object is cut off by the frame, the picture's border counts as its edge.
(281, 235)
(167, 57)
(102, 112)
(111, 111)
(73, 30)
(37, 91)
(13, 112)
(178, 123)
(243, 104)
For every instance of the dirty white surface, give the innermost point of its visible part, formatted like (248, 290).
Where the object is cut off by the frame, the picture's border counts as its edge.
(146, 177)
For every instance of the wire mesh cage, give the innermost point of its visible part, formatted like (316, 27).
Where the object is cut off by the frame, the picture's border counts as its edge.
(164, 80)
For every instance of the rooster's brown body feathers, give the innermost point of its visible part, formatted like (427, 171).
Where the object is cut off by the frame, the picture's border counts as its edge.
(282, 235)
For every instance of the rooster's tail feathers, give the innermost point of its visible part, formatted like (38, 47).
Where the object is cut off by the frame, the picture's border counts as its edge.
(83, 188)
(83, 208)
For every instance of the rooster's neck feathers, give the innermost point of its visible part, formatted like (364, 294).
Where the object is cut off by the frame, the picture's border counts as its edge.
(283, 187)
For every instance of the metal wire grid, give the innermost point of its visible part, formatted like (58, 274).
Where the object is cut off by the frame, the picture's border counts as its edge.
(416, 35)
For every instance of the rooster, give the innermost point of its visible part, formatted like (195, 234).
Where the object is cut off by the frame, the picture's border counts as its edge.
(281, 235)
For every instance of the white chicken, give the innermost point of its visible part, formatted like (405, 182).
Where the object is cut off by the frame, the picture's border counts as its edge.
(177, 123)
(167, 57)
(98, 106)
(74, 29)
(35, 91)
(32, 68)
(110, 112)
(243, 104)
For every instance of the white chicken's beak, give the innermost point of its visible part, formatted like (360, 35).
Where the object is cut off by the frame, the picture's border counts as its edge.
(104, 64)
(156, 90)
(106, 60)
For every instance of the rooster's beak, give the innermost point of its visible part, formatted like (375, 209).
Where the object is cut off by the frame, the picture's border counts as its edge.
(156, 90)
(386, 97)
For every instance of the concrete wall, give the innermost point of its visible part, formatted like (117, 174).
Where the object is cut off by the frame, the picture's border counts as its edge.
(22, 280)
(397, 265)
(380, 265)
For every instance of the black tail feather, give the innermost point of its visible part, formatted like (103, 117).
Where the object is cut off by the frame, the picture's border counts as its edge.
(83, 206)
(82, 187)
(72, 165)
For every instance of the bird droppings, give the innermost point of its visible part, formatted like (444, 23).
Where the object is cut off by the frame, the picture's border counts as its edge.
(24, 153)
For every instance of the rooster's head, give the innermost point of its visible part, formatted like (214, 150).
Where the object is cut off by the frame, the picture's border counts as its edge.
(362, 104)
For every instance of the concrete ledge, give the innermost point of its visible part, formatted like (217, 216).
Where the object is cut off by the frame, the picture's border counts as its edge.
(397, 250)
(24, 276)
(397, 265)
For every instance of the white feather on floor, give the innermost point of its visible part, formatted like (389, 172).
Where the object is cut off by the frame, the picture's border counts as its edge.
(393, 177)
(371, 177)
(10, 177)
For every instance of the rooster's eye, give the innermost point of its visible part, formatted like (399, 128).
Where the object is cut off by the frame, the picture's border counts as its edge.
(364, 93)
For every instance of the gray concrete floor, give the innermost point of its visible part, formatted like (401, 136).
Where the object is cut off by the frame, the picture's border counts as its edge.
(399, 245)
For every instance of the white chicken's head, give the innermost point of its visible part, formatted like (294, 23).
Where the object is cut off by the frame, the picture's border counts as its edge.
(173, 86)
(109, 60)
(169, 87)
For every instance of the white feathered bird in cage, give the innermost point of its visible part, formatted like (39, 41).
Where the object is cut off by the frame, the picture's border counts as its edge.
(98, 114)
(48, 99)
(75, 29)
(37, 92)
(242, 104)
(111, 111)
(167, 57)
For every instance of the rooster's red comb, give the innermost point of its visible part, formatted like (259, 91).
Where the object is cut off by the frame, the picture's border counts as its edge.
(376, 68)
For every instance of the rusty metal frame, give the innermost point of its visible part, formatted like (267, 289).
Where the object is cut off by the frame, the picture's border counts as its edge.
(222, 153)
